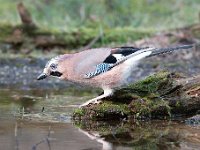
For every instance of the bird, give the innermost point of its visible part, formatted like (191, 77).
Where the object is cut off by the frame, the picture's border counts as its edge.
(105, 68)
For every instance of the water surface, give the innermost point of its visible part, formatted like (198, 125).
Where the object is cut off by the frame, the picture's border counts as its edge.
(40, 120)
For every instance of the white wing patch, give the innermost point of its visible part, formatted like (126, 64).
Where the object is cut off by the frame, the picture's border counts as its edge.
(132, 62)
(118, 56)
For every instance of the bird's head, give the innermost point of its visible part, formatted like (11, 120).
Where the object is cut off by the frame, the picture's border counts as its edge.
(52, 68)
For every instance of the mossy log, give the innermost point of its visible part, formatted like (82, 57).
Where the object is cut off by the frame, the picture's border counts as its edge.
(161, 95)
(33, 37)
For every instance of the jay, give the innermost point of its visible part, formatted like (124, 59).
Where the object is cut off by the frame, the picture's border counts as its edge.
(106, 68)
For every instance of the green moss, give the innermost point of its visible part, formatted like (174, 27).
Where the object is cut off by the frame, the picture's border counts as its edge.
(150, 90)
(151, 84)
(79, 112)
(110, 107)
(196, 31)
(22, 37)
(84, 36)
(122, 35)
(144, 100)
(146, 107)
(5, 31)
(102, 111)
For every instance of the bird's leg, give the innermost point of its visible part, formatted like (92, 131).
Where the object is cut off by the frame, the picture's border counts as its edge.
(97, 100)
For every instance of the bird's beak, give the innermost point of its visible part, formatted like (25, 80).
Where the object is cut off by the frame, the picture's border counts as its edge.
(42, 76)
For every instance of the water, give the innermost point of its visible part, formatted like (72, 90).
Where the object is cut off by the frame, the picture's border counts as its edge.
(40, 120)
(36, 115)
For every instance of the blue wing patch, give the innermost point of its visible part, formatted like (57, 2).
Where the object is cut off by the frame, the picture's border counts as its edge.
(100, 68)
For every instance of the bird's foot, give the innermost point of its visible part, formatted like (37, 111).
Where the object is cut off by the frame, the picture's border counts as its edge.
(89, 103)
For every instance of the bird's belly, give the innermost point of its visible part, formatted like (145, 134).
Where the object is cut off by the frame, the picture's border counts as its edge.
(111, 79)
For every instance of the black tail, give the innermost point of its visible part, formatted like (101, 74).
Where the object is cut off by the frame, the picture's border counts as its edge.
(170, 49)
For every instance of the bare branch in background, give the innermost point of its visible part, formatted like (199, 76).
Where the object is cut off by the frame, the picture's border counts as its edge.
(25, 15)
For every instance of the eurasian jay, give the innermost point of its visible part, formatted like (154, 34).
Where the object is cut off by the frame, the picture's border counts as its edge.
(107, 68)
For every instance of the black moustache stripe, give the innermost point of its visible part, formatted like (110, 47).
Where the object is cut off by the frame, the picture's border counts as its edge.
(56, 73)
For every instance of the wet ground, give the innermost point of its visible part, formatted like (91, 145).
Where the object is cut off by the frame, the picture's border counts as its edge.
(36, 115)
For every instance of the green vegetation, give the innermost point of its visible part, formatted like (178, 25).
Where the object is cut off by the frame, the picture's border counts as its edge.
(104, 111)
(151, 84)
(73, 14)
(162, 95)
(38, 38)
(73, 24)
(144, 101)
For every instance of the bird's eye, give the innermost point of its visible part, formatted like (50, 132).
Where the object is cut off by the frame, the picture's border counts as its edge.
(53, 66)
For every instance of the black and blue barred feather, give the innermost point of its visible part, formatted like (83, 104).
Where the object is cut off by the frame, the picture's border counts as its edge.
(100, 68)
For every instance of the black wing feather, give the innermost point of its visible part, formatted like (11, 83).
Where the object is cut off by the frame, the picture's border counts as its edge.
(124, 51)
(110, 59)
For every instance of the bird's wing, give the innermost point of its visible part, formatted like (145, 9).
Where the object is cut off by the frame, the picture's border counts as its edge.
(94, 62)
(115, 57)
